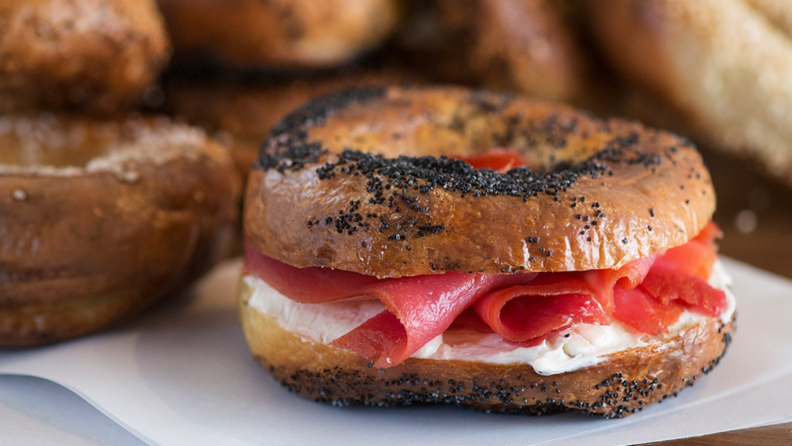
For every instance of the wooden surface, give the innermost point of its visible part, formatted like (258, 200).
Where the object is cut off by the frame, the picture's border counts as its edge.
(755, 215)
(770, 435)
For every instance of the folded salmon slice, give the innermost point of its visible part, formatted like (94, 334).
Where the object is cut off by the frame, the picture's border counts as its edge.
(643, 312)
(666, 285)
(498, 159)
(681, 274)
(418, 308)
(548, 304)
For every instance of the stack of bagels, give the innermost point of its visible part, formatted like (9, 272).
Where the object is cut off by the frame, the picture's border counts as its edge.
(103, 211)
(132, 127)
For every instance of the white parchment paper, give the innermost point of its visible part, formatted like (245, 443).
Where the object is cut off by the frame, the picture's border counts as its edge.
(182, 374)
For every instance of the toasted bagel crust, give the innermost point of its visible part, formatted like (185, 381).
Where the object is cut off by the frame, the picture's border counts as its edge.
(601, 192)
(99, 55)
(100, 219)
(520, 45)
(281, 33)
(620, 385)
(515, 44)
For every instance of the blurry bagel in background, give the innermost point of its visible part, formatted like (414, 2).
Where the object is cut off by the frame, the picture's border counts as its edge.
(724, 66)
(779, 13)
(240, 112)
(522, 45)
(93, 55)
(278, 34)
(100, 219)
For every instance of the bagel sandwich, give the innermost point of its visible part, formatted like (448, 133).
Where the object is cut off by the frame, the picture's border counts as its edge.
(445, 245)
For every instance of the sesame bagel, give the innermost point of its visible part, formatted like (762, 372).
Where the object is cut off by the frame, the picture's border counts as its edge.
(101, 219)
(724, 68)
(360, 181)
(98, 55)
(621, 384)
(251, 34)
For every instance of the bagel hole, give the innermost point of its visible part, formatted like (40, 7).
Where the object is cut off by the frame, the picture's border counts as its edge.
(428, 126)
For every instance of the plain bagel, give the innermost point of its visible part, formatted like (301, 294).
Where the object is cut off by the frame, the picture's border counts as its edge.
(521, 45)
(724, 67)
(279, 34)
(352, 182)
(99, 55)
(101, 219)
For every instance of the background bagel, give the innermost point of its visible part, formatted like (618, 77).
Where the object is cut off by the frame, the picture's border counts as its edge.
(521, 45)
(724, 66)
(280, 33)
(101, 219)
(241, 112)
(601, 193)
(98, 55)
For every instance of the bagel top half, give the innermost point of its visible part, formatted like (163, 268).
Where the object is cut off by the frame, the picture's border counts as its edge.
(362, 181)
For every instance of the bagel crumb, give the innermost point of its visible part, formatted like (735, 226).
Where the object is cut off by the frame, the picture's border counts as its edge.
(20, 195)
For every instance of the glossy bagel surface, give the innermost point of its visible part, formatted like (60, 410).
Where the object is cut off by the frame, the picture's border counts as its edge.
(101, 219)
(363, 181)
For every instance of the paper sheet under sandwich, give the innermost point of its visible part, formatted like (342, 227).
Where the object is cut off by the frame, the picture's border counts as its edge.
(182, 374)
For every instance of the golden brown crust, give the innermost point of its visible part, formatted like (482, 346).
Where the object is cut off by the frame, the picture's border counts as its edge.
(99, 55)
(280, 33)
(778, 13)
(521, 45)
(410, 220)
(517, 44)
(240, 114)
(619, 386)
(723, 66)
(100, 219)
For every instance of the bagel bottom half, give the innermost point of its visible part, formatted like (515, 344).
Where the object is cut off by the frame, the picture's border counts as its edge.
(621, 384)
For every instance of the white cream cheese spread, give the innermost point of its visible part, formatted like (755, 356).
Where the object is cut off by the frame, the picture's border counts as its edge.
(580, 346)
